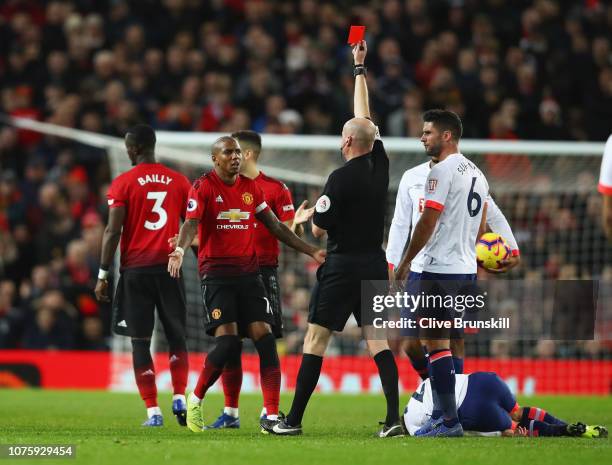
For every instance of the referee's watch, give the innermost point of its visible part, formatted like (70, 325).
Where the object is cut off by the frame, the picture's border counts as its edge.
(360, 69)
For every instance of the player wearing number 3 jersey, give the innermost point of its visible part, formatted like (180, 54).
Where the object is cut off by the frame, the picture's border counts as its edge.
(147, 202)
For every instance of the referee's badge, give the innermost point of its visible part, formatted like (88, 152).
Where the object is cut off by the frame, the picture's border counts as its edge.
(323, 204)
(216, 314)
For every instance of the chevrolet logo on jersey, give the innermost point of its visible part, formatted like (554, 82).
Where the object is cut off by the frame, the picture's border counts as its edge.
(234, 215)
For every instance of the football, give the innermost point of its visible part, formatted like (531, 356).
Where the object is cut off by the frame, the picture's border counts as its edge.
(491, 249)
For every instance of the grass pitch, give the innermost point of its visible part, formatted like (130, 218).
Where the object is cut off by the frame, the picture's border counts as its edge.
(338, 429)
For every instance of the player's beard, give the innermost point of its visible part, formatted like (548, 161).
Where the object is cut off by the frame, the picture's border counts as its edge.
(434, 150)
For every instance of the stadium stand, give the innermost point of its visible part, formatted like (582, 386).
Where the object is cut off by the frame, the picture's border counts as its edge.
(281, 68)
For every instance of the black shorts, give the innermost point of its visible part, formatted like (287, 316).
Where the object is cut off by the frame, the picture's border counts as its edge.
(139, 292)
(337, 293)
(269, 275)
(235, 299)
(409, 313)
(440, 291)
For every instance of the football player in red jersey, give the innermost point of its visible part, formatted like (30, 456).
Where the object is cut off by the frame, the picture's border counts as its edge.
(147, 202)
(223, 206)
(278, 197)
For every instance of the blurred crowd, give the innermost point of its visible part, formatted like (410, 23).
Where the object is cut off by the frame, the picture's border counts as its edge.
(512, 69)
(529, 69)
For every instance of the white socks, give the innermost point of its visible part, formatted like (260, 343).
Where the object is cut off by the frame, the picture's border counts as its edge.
(264, 413)
(194, 398)
(157, 411)
(231, 411)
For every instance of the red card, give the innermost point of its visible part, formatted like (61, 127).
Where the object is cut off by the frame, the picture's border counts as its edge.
(356, 35)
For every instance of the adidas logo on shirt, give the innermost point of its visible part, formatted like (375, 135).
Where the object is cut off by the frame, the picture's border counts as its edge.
(122, 323)
(219, 199)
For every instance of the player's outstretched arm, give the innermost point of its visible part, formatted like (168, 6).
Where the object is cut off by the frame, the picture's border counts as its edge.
(173, 242)
(422, 233)
(186, 235)
(110, 241)
(361, 99)
(285, 235)
(302, 215)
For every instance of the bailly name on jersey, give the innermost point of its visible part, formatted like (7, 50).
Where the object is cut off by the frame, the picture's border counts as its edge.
(157, 178)
(434, 323)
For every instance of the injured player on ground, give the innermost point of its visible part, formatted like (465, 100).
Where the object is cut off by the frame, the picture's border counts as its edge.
(486, 407)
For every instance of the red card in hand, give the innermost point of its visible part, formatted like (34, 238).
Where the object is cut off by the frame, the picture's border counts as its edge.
(356, 35)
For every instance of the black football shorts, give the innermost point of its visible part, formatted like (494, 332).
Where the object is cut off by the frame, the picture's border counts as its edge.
(337, 293)
(269, 275)
(141, 290)
(235, 299)
(439, 291)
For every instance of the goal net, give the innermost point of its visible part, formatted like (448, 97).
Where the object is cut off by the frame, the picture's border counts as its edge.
(547, 191)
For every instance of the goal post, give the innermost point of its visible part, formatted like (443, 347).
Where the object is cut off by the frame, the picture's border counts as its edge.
(547, 190)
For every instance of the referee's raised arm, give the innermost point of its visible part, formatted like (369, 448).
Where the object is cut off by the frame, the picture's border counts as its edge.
(360, 99)
(351, 210)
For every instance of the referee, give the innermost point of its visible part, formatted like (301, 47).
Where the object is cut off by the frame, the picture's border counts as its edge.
(351, 212)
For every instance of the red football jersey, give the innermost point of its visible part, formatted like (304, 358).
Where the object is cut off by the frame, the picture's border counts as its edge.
(154, 197)
(278, 198)
(227, 224)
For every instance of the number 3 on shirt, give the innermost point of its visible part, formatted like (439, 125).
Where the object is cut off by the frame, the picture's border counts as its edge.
(157, 208)
(470, 200)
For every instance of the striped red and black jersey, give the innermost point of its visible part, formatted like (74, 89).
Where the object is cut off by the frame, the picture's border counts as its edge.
(154, 197)
(278, 198)
(226, 230)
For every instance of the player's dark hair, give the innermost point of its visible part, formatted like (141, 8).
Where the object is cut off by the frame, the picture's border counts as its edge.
(250, 139)
(216, 146)
(445, 120)
(143, 135)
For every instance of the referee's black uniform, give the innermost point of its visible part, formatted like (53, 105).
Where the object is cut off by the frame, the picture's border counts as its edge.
(352, 210)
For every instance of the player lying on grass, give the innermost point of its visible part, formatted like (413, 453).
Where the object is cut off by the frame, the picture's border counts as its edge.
(486, 407)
